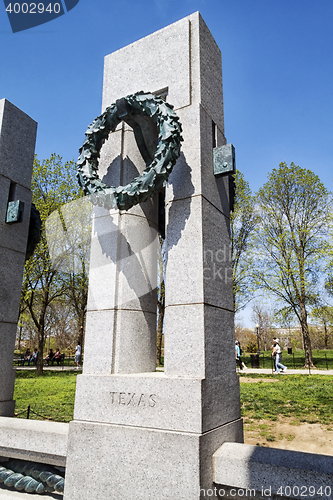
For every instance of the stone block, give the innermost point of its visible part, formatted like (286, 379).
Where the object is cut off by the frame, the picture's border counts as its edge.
(148, 464)
(184, 252)
(7, 408)
(120, 341)
(7, 342)
(4, 194)
(218, 281)
(146, 400)
(211, 93)
(185, 178)
(199, 342)
(157, 401)
(120, 163)
(184, 341)
(167, 66)
(17, 143)
(214, 189)
(193, 174)
(99, 342)
(220, 396)
(11, 270)
(109, 169)
(14, 236)
(198, 237)
(34, 440)
(7, 376)
(256, 468)
(135, 345)
(123, 264)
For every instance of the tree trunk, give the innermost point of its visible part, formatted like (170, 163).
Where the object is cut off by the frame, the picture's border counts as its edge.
(40, 357)
(20, 337)
(306, 337)
(160, 305)
(325, 335)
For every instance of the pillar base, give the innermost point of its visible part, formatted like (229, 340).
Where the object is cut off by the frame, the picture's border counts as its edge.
(116, 461)
(7, 408)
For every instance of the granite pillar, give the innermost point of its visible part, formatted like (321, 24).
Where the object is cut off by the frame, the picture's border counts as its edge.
(149, 435)
(17, 145)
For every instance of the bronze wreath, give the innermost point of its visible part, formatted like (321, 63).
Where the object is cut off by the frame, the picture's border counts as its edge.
(149, 116)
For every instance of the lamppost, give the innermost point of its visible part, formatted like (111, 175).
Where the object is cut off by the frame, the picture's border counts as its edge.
(257, 327)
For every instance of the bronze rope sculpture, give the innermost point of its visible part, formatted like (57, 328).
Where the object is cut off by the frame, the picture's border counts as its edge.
(156, 127)
(30, 477)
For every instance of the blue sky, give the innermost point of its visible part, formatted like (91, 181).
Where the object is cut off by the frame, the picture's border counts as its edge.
(277, 74)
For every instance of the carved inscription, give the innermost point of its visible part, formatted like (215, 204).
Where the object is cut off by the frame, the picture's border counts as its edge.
(133, 399)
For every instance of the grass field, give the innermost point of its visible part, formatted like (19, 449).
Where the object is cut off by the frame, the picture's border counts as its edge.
(302, 397)
(291, 412)
(50, 396)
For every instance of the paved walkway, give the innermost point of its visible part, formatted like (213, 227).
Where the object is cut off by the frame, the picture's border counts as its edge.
(49, 368)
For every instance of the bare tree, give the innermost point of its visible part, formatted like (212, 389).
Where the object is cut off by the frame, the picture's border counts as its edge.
(262, 317)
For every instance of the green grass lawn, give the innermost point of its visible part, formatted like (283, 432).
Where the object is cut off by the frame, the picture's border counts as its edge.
(51, 396)
(322, 359)
(303, 397)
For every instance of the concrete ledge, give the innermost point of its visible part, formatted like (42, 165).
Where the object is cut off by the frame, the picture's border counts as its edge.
(34, 440)
(247, 467)
(11, 494)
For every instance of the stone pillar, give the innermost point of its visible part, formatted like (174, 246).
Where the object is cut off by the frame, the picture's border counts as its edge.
(153, 435)
(17, 145)
(120, 332)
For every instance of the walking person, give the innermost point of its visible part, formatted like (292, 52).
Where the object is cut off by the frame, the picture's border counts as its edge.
(277, 353)
(241, 354)
(238, 355)
(77, 355)
(273, 355)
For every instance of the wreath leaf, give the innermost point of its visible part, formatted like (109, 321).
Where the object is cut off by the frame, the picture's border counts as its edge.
(155, 174)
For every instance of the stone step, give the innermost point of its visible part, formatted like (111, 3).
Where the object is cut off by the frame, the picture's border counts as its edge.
(11, 494)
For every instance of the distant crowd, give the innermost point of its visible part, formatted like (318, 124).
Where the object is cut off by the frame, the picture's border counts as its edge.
(51, 358)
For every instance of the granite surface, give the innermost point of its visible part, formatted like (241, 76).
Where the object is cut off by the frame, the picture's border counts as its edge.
(145, 464)
(17, 145)
(34, 440)
(255, 468)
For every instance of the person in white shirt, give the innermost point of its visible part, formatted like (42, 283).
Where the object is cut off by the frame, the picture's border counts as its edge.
(77, 355)
(277, 353)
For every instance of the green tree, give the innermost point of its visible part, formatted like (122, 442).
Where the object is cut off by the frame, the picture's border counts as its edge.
(70, 238)
(53, 185)
(243, 220)
(294, 217)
